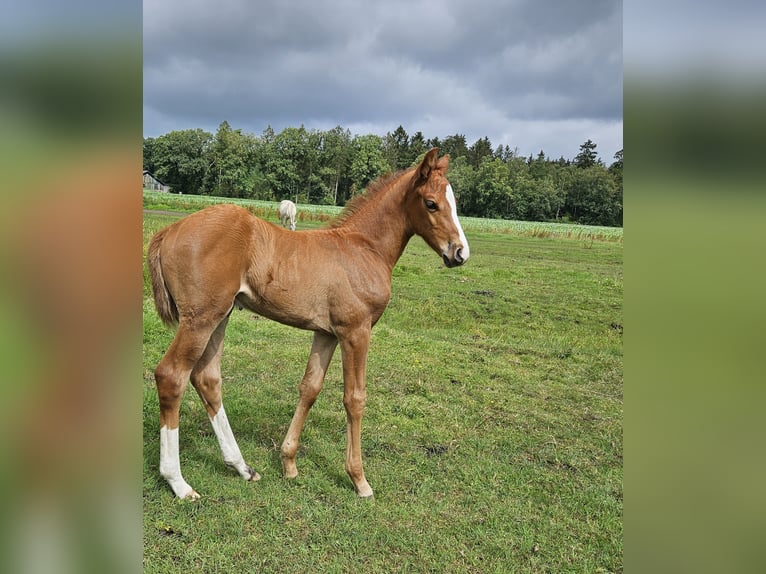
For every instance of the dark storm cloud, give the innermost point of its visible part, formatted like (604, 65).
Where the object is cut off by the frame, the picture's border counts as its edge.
(528, 74)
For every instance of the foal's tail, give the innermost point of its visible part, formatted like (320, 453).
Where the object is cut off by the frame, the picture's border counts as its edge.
(163, 300)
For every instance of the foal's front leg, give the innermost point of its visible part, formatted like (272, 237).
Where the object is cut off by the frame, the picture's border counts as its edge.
(322, 350)
(355, 347)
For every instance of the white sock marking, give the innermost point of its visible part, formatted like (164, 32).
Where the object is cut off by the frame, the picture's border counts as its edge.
(229, 448)
(170, 464)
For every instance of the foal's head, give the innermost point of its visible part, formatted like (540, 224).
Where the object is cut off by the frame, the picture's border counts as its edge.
(432, 210)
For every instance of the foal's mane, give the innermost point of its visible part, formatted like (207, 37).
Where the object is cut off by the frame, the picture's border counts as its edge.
(374, 190)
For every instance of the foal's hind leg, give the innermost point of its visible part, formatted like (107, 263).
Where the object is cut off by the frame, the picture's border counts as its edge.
(322, 350)
(206, 378)
(171, 376)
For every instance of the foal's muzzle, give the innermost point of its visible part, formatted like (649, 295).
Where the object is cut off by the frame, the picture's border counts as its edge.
(454, 256)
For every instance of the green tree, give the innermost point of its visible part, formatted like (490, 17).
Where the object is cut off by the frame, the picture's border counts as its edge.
(289, 164)
(336, 152)
(268, 135)
(455, 146)
(262, 153)
(367, 162)
(616, 170)
(505, 153)
(181, 159)
(534, 199)
(479, 151)
(311, 169)
(149, 149)
(418, 147)
(591, 196)
(493, 193)
(587, 156)
(231, 163)
(396, 149)
(540, 167)
(517, 165)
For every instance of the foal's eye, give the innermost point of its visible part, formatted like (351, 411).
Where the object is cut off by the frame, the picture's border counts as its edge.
(431, 205)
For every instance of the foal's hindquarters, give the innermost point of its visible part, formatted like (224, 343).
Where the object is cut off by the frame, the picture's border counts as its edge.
(199, 296)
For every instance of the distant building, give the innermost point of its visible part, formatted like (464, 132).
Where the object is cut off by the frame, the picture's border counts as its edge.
(151, 182)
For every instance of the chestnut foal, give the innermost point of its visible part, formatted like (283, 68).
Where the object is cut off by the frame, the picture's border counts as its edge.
(335, 282)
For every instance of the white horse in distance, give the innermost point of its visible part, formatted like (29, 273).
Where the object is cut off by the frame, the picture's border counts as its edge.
(287, 213)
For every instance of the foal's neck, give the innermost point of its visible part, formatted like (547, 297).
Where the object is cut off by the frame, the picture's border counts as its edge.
(382, 221)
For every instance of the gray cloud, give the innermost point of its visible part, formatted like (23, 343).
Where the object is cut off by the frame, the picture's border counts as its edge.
(532, 75)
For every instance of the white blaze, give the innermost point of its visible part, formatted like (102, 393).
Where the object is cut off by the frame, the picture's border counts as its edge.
(465, 251)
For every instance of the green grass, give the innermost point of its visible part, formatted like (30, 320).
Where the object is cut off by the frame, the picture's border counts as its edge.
(492, 436)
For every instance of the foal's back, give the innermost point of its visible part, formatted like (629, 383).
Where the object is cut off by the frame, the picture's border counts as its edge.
(312, 279)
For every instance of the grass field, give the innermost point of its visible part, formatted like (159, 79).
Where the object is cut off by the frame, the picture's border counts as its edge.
(492, 435)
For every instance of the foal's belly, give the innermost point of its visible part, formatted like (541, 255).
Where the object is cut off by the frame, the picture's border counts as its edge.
(283, 308)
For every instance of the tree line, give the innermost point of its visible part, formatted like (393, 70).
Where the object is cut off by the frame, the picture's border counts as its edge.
(330, 167)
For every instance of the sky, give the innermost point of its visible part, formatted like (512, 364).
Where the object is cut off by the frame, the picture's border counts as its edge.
(536, 76)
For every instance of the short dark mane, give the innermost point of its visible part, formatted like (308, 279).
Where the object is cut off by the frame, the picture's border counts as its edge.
(355, 204)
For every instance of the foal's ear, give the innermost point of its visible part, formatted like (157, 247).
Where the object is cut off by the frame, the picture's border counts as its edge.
(425, 168)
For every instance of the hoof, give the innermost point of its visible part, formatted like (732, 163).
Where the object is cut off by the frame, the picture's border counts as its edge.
(254, 476)
(289, 469)
(193, 495)
(364, 491)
